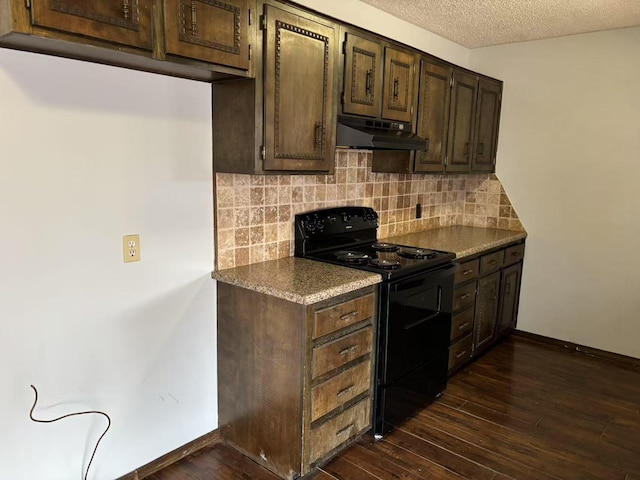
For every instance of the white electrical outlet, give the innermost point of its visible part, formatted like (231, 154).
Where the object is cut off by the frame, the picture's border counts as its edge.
(131, 248)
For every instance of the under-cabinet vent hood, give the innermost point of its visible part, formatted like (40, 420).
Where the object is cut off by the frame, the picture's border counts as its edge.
(370, 134)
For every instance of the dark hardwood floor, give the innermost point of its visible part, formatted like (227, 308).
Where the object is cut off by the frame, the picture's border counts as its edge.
(523, 411)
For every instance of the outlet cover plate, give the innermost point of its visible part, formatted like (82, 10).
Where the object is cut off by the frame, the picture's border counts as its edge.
(131, 248)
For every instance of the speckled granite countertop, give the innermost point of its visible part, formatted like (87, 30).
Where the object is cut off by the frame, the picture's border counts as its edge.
(297, 279)
(463, 241)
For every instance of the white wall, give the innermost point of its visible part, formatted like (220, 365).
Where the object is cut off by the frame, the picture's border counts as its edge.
(365, 16)
(89, 153)
(568, 157)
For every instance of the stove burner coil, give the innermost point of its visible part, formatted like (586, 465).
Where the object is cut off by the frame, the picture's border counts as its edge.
(386, 264)
(385, 247)
(417, 253)
(352, 257)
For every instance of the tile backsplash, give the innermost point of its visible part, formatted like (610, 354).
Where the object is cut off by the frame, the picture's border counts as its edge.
(254, 213)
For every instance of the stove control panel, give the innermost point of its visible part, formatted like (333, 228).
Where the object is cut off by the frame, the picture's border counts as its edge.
(336, 221)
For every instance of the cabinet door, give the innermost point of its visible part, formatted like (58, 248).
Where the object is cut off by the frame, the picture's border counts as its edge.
(299, 88)
(487, 122)
(486, 311)
(399, 69)
(461, 122)
(509, 294)
(362, 76)
(211, 31)
(127, 22)
(433, 115)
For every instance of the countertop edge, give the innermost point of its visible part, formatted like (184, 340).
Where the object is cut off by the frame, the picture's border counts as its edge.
(489, 245)
(309, 299)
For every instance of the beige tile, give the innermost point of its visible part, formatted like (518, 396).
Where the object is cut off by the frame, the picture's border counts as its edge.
(297, 195)
(241, 180)
(271, 251)
(284, 179)
(225, 259)
(284, 213)
(270, 195)
(242, 237)
(257, 180)
(242, 256)
(256, 216)
(285, 249)
(226, 239)
(243, 196)
(271, 233)
(270, 180)
(504, 223)
(257, 196)
(225, 197)
(224, 179)
(256, 253)
(284, 195)
(271, 214)
(242, 217)
(285, 231)
(225, 218)
(256, 235)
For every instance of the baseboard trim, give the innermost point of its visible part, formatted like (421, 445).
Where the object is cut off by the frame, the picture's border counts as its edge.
(619, 359)
(211, 438)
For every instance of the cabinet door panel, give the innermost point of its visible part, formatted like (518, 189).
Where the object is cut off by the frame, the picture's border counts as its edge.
(399, 68)
(299, 90)
(487, 122)
(486, 311)
(510, 292)
(127, 22)
(433, 115)
(214, 31)
(362, 76)
(461, 126)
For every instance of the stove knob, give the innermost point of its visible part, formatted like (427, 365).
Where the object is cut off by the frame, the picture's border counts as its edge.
(320, 224)
(346, 217)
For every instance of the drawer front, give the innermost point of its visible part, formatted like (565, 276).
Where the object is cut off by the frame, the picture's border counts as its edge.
(342, 315)
(513, 254)
(338, 430)
(466, 271)
(336, 353)
(340, 389)
(462, 323)
(492, 262)
(460, 352)
(464, 297)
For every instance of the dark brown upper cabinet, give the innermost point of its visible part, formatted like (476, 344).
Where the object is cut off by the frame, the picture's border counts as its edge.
(211, 31)
(285, 121)
(487, 123)
(363, 70)
(126, 22)
(434, 98)
(203, 39)
(378, 79)
(399, 79)
(462, 115)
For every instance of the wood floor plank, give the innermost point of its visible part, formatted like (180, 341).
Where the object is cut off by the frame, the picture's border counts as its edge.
(522, 411)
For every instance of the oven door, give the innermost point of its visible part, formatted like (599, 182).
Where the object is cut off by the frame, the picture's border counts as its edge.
(413, 345)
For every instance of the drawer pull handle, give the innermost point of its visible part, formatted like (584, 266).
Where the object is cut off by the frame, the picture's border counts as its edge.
(515, 254)
(344, 391)
(349, 349)
(349, 315)
(493, 262)
(462, 297)
(463, 325)
(467, 272)
(345, 429)
(461, 354)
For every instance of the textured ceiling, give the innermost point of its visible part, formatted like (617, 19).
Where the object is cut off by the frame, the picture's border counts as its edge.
(479, 23)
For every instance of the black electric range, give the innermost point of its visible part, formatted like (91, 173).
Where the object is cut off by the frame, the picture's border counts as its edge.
(414, 306)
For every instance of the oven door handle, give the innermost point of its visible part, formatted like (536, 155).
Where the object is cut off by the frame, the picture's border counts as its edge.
(430, 317)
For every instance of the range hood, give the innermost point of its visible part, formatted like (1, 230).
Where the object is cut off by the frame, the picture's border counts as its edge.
(370, 134)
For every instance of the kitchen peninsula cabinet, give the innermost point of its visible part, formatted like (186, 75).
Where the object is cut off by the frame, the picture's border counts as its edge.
(295, 380)
(285, 120)
(187, 38)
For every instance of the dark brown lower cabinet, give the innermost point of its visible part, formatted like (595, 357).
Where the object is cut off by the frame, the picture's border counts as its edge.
(296, 381)
(485, 302)
(509, 294)
(487, 298)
